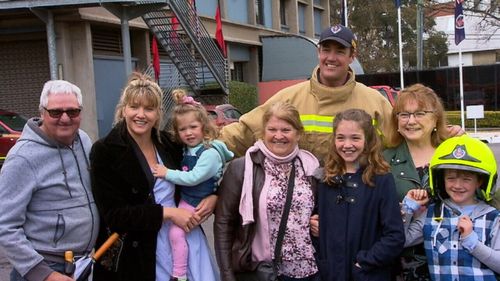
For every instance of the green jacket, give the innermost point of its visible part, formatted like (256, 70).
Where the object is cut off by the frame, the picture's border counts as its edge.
(403, 169)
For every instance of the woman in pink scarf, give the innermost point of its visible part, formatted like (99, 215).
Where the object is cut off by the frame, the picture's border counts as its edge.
(252, 196)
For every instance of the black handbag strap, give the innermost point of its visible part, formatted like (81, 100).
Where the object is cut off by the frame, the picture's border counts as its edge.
(284, 216)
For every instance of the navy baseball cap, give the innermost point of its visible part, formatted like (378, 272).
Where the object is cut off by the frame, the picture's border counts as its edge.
(339, 33)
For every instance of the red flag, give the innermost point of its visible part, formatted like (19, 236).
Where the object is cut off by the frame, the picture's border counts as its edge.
(175, 23)
(156, 58)
(218, 31)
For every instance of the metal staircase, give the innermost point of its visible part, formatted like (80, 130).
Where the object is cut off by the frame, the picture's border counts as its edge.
(196, 56)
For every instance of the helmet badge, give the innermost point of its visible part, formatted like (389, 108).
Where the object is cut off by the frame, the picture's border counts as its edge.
(460, 152)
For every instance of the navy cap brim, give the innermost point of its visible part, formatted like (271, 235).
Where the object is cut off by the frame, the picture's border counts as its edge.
(336, 39)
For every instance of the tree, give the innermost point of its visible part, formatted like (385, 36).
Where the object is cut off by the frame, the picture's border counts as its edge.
(487, 10)
(375, 24)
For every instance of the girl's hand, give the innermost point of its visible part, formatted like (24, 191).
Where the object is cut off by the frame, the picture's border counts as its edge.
(206, 207)
(159, 171)
(314, 221)
(419, 195)
(182, 218)
(464, 226)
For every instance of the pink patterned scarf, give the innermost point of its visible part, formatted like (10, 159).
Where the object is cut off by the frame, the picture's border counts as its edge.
(309, 162)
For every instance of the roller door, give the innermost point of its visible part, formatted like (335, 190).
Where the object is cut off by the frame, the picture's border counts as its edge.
(23, 71)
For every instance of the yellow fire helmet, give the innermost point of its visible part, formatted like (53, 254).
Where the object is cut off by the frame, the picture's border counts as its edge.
(463, 153)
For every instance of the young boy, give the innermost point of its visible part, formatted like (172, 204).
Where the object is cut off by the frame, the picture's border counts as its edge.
(460, 231)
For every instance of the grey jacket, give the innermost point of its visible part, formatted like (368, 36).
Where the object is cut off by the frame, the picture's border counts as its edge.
(486, 254)
(47, 206)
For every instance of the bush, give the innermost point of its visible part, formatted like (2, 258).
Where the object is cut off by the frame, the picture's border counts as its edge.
(243, 96)
(491, 120)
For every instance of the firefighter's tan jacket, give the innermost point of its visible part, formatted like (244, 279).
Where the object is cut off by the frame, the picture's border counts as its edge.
(317, 105)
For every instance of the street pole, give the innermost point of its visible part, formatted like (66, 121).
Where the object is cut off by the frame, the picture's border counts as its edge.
(420, 31)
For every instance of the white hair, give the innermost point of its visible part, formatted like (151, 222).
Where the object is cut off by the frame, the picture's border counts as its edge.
(59, 87)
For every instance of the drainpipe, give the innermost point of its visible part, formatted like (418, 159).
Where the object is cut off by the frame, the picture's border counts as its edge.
(127, 53)
(47, 17)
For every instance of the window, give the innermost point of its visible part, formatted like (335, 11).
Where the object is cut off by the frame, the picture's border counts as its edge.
(212, 114)
(237, 72)
(259, 12)
(283, 12)
(317, 22)
(3, 130)
(302, 15)
(13, 121)
(232, 114)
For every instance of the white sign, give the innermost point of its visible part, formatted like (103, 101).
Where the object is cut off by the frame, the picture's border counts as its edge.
(475, 112)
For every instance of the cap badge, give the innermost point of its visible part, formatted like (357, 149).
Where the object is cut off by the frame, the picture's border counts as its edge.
(336, 29)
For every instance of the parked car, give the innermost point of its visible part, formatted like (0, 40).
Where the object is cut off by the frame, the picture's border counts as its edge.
(388, 92)
(11, 125)
(223, 114)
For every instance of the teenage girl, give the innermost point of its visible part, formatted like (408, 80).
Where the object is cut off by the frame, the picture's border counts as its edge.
(202, 165)
(360, 226)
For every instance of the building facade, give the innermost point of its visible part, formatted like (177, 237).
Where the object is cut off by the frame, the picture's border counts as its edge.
(91, 50)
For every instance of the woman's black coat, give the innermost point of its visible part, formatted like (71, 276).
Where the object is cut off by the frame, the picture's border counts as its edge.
(122, 185)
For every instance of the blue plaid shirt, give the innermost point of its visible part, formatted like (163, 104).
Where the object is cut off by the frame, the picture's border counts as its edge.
(447, 258)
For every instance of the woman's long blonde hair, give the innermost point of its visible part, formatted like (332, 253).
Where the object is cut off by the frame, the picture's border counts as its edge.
(142, 89)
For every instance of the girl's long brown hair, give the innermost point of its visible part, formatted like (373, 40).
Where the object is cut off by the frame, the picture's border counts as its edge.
(371, 159)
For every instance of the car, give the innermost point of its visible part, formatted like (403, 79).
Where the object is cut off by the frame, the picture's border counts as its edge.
(223, 114)
(11, 125)
(388, 92)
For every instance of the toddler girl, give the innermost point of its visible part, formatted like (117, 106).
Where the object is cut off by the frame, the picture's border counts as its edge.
(202, 164)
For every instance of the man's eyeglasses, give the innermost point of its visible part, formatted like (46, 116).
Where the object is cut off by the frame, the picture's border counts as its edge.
(57, 113)
(404, 116)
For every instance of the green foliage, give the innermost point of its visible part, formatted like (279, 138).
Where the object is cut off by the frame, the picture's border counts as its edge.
(376, 26)
(491, 120)
(243, 96)
(435, 49)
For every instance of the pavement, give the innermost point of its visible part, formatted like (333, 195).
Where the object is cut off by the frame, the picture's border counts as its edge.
(6, 268)
(486, 136)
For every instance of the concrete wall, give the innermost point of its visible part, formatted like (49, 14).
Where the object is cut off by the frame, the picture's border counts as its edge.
(74, 55)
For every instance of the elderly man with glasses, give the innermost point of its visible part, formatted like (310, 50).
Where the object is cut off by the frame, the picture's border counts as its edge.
(46, 205)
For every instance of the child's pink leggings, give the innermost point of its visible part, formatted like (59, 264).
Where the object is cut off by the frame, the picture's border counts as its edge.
(179, 245)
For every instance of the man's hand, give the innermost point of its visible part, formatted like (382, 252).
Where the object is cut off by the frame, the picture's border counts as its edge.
(455, 131)
(419, 195)
(182, 218)
(56, 276)
(206, 207)
(314, 221)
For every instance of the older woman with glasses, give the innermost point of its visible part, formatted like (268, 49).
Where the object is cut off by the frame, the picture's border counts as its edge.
(418, 126)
